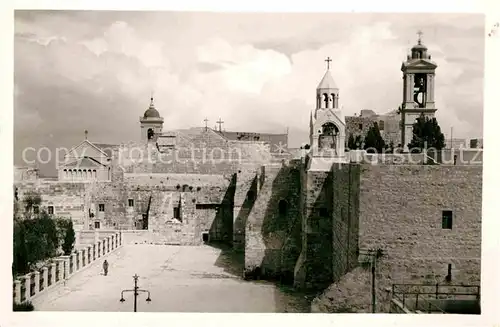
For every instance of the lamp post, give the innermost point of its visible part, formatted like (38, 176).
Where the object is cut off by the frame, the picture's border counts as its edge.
(136, 291)
(374, 256)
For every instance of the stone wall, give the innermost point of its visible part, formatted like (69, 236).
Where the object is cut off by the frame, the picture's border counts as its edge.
(390, 131)
(400, 212)
(247, 187)
(204, 202)
(313, 269)
(272, 245)
(404, 217)
(345, 219)
(198, 153)
(67, 199)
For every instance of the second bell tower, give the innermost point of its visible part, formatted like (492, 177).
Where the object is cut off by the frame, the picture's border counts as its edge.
(418, 89)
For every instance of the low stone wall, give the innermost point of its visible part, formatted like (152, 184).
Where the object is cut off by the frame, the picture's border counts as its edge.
(29, 286)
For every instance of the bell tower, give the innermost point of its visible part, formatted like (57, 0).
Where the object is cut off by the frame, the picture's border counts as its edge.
(151, 124)
(418, 89)
(327, 124)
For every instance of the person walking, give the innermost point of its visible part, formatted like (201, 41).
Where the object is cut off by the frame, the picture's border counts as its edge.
(105, 266)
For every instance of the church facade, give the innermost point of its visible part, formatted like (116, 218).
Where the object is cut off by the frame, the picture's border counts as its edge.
(309, 219)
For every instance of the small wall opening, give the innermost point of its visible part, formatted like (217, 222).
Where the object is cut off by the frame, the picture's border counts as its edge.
(205, 237)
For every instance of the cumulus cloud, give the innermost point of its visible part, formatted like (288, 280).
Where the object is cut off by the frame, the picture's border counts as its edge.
(258, 72)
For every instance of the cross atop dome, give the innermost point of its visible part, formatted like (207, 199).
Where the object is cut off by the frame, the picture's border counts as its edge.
(420, 33)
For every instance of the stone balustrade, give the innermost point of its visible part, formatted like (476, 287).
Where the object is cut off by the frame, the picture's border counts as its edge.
(62, 268)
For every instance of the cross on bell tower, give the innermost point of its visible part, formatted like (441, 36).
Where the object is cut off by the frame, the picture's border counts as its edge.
(220, 122)
(328, 60)
(206, 124)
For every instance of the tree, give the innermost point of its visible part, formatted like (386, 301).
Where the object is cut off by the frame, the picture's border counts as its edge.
(50, 235)
(426, 134)
(20, 262)
(31, 200)
(69, 239)
(354, 143)
(373, 140)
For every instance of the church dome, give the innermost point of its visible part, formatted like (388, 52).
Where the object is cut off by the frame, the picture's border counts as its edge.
(419, 46)
(151, 112)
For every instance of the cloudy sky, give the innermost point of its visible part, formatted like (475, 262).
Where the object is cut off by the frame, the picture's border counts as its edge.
(258, 72)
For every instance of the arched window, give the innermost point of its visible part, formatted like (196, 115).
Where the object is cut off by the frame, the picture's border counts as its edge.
(151, 133)
(283, 208)
(328, 137)
(85, 173)
(65, 173)
(325, 99)
(333, 100)
(95, 174)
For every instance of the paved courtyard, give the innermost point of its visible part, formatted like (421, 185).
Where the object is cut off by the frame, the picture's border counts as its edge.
(180, 279)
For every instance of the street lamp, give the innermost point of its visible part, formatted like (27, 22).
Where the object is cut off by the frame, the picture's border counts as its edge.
(136, 291)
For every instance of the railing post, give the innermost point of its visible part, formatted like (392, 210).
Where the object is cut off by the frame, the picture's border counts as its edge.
(112, 242)
(80, 259)
(37, 282)
(73, 263)
(84, 257)
(89, 254)
(108, 239)
(27, 286)
(17, 286)
(416, 303)
(66, 267)
(53, 273)
(62, 264)
(45, 274)
(99, 246)
(437, 290)
(77, 238)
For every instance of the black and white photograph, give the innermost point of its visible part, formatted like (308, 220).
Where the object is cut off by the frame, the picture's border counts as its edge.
(247, 162)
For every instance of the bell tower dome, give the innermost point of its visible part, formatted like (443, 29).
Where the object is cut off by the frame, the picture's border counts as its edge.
(151, 124)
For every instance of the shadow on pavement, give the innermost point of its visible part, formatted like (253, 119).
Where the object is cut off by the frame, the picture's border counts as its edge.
(287, 299)
(231, 261)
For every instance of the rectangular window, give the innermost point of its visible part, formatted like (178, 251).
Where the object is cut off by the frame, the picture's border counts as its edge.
(177, 213)
(130, 202)
(447, 219)
(97, 225)
(36, 210)
(101, 207)
(360, 127)
(448, 276)
(50, 210)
